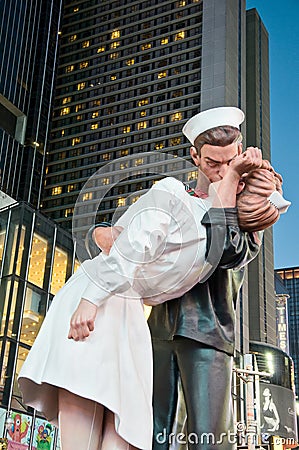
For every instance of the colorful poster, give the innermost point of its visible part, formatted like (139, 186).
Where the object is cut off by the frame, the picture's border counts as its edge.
(19, 433)
(43, 437)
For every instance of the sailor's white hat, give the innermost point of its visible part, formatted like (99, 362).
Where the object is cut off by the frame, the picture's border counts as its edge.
(211, 118)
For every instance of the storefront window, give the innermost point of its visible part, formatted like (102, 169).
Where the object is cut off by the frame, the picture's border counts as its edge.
(59, 270)
(37, 260)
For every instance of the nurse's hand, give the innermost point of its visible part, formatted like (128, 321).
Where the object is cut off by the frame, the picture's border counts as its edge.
(82, 321)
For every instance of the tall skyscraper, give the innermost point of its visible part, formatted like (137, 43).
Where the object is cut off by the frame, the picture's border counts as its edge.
(290, 278)
(130, 74)
(261, 295)
(28, 49)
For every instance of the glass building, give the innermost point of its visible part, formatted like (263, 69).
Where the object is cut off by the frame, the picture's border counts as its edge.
(36, 259)
(28, 49)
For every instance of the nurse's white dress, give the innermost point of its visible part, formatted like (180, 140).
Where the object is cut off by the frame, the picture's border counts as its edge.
(159, 255)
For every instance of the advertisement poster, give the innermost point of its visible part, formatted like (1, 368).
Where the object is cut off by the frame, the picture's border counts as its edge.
(278, 412)
(19, 434)
(43, 437)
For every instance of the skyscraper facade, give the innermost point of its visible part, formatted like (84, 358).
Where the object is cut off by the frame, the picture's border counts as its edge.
(28, 49)
(130, 74)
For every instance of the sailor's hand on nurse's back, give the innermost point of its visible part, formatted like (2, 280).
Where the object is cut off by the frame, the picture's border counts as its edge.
(245, 162)
(82, 321)
(104, 237)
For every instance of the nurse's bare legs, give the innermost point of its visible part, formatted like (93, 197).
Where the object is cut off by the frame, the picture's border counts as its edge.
(80, 422)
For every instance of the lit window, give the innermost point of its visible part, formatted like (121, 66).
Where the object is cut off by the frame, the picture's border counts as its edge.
(79, 117)
(95, 114)
(80, 86)
(101, 49)
(175, 141)
(76, 9)
(37, 264)
(59, 268)
(69, 68)
(176, 116)
(180, 35)
(164, 41)
(87, 196)
(124, 152)
(80, 106)
(56, 190)
(113, 77)
(130, 62)
(134, 199)
(142, 102)
(177, 70)
(114, 55)
(162, 74)
(76, 140)
(71, 187)
(177, 94)
(73, 38)
(142, 125)
(62, 132)
(127, 129)
(65, 111)
(139, 162)
(146, 46)
(159, 145)
(66, 100)
(97, 103)
(115, 44)
(180, 3)
(121, 201)
(68, 212)
(192, 175)
(85, 44)
(84, 64)
(123, 166)
(94, 126)
(106, 156)
(115, 34)
(142, 113)
(106, 181)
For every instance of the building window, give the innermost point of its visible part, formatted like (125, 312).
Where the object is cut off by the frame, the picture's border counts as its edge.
(56, 190)
(142, 125)
(87, 196)
(106, 156)
(124, 152)
(84, 64)
(73, 38)
(126, 129)
(142, 102)
(106, 181)
(85, 44)
(81, 86)
(65, 111)
(130, 62)
(69, 69)
(76, 140)
(113, 77)
(175, 141)
(72, 187)
(139, 161)
(176, 116)
(162, 74)
(192, 175)
(59, 264)
(115, 34)
(159, 145)
(68, 212)
(94, 126)
(121, 201)
(37, 264)
(66, 100)
(146, 46)
(114, 55)
(95, 114)
(164, 41)
(180, 35)
(101, 49)
(142, 113)
(115, 44)
(80, 106)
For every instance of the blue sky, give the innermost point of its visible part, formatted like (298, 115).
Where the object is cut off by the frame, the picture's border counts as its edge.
(281, 21)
